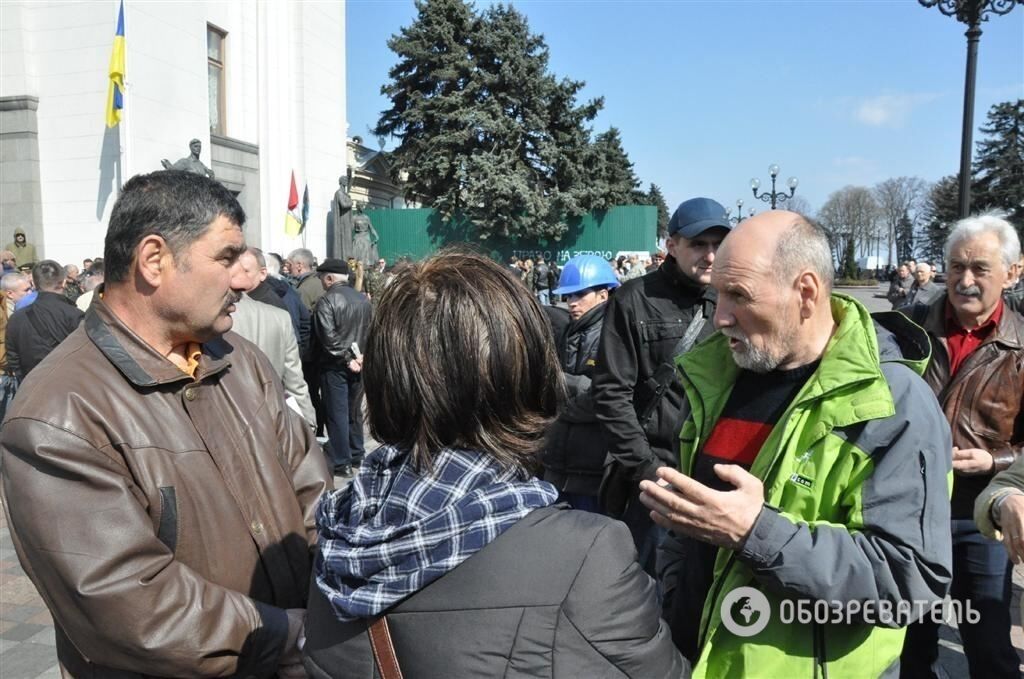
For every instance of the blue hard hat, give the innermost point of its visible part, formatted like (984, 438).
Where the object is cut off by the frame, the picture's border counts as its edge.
(583, 272)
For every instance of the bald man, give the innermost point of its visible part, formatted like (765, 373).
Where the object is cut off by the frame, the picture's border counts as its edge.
(807, 522)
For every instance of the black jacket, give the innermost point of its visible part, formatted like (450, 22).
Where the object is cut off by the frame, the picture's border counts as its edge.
(1014, 296)
(341, 318)
(645, 320)
(575, 449)
(302, 322)
(559, 594)
(36, 330)
(541, 276)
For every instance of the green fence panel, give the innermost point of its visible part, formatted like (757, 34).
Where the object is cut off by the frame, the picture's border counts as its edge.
(417, 233)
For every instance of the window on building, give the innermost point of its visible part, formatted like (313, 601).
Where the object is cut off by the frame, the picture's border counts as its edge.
(215, 74)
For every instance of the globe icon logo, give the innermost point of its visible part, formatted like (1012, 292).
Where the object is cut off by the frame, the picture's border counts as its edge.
(745, 611)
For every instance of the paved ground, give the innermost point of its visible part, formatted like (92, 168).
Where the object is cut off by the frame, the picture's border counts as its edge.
(26, 629)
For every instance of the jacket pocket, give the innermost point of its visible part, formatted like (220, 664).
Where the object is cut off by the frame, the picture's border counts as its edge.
(167, 530)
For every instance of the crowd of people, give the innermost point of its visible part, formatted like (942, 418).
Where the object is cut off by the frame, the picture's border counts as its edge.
(639, 480)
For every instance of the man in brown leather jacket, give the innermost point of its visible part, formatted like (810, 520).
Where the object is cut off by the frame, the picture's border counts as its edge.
(159, 492)
(977, 373)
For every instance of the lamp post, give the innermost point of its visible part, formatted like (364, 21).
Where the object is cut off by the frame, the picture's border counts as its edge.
(774, 197)
(972, 13)
(739, 212)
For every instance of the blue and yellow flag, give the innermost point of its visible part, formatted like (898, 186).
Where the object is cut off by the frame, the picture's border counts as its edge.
(115, 95)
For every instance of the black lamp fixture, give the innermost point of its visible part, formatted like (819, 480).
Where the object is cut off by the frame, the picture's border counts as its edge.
(972, 13)
(774, 197)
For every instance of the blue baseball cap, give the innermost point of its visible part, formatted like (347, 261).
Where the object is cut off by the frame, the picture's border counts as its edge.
(695, 216)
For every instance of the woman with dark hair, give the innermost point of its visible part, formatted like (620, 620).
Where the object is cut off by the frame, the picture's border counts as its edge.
(446, 557)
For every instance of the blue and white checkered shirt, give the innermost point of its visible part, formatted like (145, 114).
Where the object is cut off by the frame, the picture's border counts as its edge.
(394, 529)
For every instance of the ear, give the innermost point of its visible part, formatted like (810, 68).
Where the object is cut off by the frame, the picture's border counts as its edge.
(602, 294)
(152, 258)
(809, 291)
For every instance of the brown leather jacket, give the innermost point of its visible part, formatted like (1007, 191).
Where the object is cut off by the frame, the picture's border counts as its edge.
(166, 520)
(984, 401)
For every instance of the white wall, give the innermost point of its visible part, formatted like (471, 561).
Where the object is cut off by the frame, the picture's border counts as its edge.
(302, 79)
(285, 92)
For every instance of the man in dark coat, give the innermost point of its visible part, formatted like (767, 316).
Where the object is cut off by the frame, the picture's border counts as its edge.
(341, 323)
(637, 396)
(36, 330)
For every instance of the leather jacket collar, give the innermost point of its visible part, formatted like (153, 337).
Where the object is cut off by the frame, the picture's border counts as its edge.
(1009, 332)
(142, 365)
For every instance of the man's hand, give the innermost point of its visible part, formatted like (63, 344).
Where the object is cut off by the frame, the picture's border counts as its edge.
(972, 461)
(355, 365)
(1011, 523)
(290, 665)
(689, 507)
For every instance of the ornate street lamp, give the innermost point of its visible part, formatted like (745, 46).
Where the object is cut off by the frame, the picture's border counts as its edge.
(972, 13)
(774, 197)
(739, 212)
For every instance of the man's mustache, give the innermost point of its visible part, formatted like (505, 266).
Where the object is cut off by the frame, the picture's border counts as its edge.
(968, 291)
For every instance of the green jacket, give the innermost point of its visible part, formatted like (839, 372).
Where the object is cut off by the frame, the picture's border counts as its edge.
(856, 477)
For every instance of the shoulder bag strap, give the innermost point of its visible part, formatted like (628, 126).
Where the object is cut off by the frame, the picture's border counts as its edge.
(383, 649)
(666, 372)
(689, 337)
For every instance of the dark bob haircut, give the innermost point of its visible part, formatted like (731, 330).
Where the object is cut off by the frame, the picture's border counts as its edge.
(177, 206)
(460, 355)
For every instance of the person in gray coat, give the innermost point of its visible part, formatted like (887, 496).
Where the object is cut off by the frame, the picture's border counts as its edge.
(445, 549)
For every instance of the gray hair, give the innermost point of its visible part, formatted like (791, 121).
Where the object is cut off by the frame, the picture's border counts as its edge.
(302, 256)
(804, 245)
(988, 222)
(10, 280)
(258, 254)
(274, 265)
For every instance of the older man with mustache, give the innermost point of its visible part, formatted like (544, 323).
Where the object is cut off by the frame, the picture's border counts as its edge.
(813, 466)
(977, 373)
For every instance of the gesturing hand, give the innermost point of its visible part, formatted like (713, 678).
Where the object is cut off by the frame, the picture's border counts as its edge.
(723, 518)
(1011, 524)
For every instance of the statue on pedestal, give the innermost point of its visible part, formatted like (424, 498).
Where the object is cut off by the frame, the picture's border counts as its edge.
(364, 240)
(341, 211)
(190, 163)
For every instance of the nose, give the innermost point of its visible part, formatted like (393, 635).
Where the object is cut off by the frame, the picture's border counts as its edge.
(968, 278)
(723, 314)
(239, 279)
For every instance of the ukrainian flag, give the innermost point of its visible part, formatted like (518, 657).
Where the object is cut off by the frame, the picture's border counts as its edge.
(115, 94)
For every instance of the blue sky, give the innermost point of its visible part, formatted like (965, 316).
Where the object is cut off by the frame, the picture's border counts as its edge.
(708, 94)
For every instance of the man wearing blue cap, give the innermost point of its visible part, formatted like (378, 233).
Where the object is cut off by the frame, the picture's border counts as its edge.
(637, 396)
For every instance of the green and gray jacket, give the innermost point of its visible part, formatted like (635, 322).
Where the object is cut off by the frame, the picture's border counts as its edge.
(857, 479)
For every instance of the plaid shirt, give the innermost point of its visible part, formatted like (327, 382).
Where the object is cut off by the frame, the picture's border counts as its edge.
(394, 530)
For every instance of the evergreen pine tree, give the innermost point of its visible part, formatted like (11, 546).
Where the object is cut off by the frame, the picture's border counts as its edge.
(998, 180)
(656, 198)
(485, 130)
(431, 90)
(941, 210)
(612, 172)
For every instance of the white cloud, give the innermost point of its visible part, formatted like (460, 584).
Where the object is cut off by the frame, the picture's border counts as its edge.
(889, 110)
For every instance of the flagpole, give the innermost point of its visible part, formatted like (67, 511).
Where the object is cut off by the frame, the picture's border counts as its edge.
(124, 131)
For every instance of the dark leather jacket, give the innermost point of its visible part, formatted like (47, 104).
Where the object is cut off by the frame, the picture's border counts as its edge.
(166, 520)
(342, 317)
(646, 318)
(575, 449)
(984, 401)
